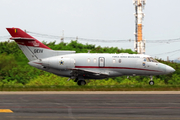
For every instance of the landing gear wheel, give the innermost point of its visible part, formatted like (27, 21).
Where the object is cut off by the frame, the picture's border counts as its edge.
(81, 82)
(151, 82)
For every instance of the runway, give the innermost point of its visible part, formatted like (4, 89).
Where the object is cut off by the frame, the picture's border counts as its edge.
(55, 106)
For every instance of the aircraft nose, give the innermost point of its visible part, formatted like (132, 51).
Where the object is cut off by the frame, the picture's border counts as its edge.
(170, 69)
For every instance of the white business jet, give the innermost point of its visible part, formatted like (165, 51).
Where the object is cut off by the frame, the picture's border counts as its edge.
(81, 66)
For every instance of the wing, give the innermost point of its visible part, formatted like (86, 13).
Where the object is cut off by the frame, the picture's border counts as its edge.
(89, 73)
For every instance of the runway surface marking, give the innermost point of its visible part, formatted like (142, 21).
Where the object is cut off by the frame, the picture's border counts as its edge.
(6, 111)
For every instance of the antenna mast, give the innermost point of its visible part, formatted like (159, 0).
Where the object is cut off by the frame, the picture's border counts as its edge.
(139, 43)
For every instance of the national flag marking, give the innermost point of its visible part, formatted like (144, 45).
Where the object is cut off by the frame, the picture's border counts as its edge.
(15, 30)
(6, 111)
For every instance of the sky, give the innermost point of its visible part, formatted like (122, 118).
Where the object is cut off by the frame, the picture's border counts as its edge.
(96, 19)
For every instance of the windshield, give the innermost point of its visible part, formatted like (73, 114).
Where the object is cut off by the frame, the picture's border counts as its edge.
(150, 59)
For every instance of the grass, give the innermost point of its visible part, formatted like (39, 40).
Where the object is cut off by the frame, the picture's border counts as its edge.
(92, 88)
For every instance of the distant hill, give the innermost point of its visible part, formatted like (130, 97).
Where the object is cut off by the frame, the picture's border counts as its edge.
(176, 60)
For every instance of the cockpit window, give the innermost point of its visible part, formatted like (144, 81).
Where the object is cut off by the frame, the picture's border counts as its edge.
(153, 60)
(150, 59)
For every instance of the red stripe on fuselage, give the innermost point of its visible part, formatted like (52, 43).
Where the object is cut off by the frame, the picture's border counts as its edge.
(116, 68)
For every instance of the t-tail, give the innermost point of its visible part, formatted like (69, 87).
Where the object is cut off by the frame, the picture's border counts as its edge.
(31, 47)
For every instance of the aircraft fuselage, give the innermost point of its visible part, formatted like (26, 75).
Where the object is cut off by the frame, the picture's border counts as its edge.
(101, 65)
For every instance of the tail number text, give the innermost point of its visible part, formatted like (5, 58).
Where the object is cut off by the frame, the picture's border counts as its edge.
(38, 50)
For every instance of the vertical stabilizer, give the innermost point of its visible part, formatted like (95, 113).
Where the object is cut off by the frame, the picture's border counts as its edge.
(31, 47)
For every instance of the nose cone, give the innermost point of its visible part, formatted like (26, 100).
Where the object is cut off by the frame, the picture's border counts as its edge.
(169, 69)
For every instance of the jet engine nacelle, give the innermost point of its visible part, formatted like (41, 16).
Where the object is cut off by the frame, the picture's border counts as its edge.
(58, 63)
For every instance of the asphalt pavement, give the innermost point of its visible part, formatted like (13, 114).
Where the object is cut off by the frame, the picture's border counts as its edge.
(89, 106)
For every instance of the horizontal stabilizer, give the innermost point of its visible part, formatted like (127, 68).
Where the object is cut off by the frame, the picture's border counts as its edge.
(20, 38)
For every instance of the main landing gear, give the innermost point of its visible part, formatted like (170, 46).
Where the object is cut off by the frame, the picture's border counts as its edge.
(151, 82)
(80, 81)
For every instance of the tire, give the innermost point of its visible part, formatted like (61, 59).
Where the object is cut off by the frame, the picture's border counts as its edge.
(81, 82)
(151, 82)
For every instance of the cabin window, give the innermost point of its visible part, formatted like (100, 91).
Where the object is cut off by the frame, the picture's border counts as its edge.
(89, 60)
(95, 60)
(119, 60)
(114, 61)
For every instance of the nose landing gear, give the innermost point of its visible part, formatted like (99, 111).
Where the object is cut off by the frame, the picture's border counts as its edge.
(151, 82)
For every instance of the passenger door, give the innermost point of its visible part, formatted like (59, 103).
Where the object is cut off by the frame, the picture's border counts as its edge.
(101, 62)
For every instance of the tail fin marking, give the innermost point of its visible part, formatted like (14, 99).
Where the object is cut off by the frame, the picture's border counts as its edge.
(31, 47)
